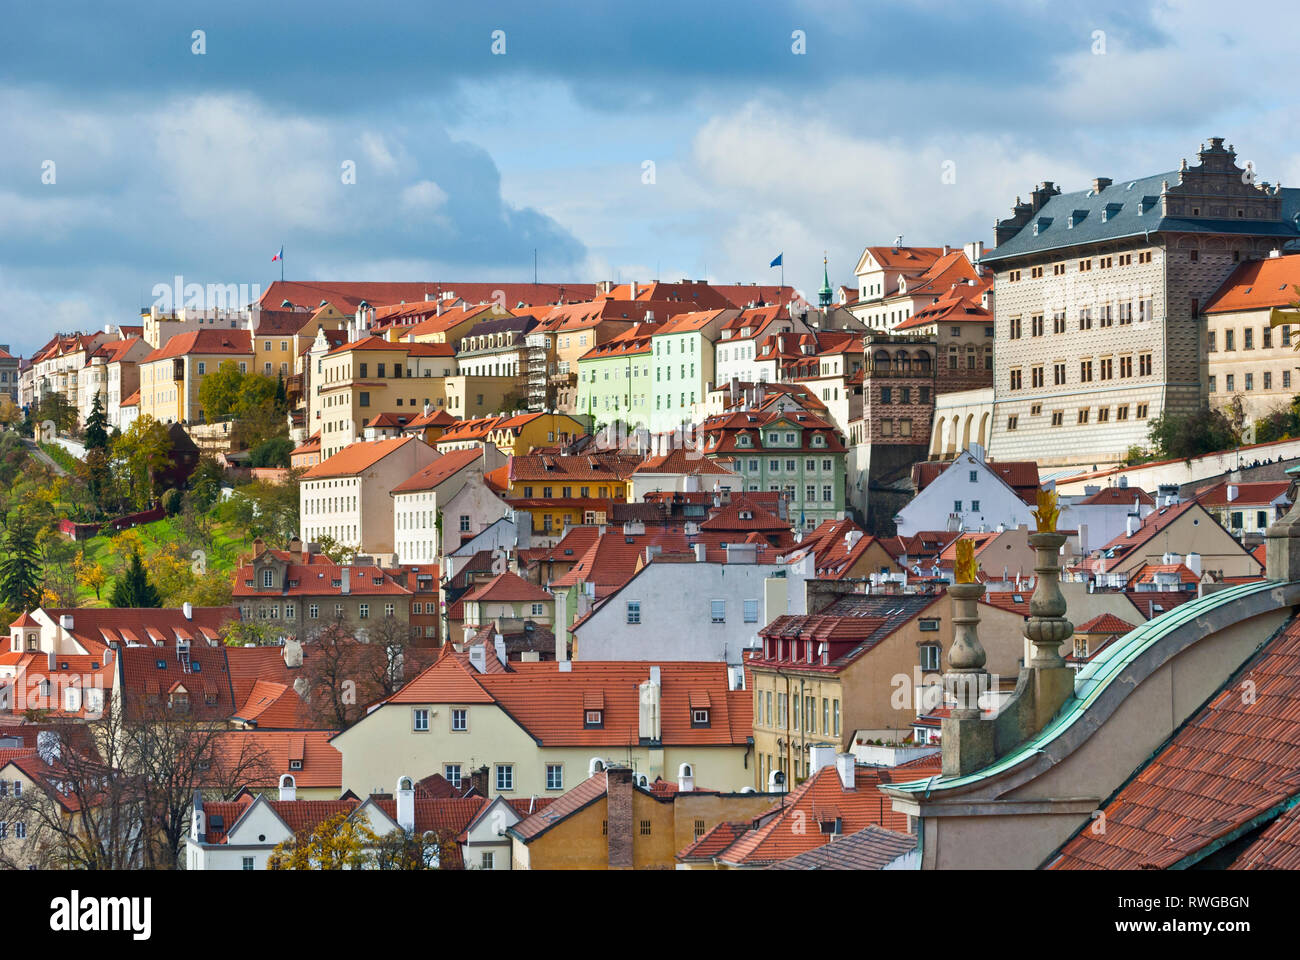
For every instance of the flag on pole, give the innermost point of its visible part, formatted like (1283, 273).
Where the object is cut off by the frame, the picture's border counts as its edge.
(778, 262)
(278, 256)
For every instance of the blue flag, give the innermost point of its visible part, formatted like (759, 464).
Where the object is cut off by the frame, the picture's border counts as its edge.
(778, 261)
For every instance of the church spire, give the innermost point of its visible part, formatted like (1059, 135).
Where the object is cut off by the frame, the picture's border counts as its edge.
(824, 294)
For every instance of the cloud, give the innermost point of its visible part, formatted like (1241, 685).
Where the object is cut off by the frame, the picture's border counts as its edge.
(208, 186)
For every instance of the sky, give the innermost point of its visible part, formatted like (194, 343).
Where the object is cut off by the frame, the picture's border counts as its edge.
(446, 142)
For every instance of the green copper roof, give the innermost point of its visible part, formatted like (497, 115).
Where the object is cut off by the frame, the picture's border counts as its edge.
(1094, 678)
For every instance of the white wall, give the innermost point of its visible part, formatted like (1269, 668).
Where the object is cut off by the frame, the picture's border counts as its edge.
(676, 614)
(931, 508)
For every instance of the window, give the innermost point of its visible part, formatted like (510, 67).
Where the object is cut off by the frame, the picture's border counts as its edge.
(488, 860)
(929, 656)
(451, 772)
(554, 776)
(1141, 411)
(718, 610)
(1015, 327)
(700, 718)
(1144, 364)
(1103, 414)
(1085, 371)
(1126, 366)
(1230, 380)
(1250, 381)
(420, 722)
(1012, 421)
(1107, 368)
(835, 716)
(1058, 374)
(1015, 379)
(268, 578)
(751, 611)
(1083, 415)
(974, 476)
(1036, 324)
(956, 506)
(459, 720)
(645, 828)
(1228, 340)
(505, 776)
(363, 611)
(1248, 338)
(975, 506)
(248, 863)
(1058, 417)
(1121, 412)
(1036, 376)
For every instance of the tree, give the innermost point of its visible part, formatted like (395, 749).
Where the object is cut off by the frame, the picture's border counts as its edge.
(20, 567)
(205, 483)
(334, 551)
(133, 589)
(340, 842)
(143, 451)
(219, 391)
(1181, 437)
(339, 682)
(408, 850)
(388, 643)
(96, 436)
(273, 452)
(83, 814)
(173, 754)
(90, 573)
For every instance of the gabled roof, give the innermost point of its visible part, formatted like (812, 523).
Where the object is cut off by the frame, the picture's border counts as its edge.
(508, 587)
(1106, 623)
(823, 796)
(850, 627)
(561, 808)
(356, 458)
(205, 342)
(1125, 496)
(1252, 493)
(442, 469)
(872, 848)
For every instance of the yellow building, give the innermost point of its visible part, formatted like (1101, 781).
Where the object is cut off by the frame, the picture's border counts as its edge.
(611, 821)
(171, 375)
(516, 435)
(542, 727)
(859, 663)
(359, 380)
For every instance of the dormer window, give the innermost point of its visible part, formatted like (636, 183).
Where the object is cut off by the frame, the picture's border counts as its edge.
(295, 764)
(268, 578)
(700, 717)
(593, 719)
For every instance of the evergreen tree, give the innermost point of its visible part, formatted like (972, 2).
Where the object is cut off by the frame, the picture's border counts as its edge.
(281, 398)
(20, 568)
(96, 426)
(133, 588)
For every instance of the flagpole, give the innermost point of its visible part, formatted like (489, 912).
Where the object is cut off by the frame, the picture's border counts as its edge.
(282, 263)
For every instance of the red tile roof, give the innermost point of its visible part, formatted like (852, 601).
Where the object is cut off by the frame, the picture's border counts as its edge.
(356, 458)
(205, 342)
(1258, 285)
(1231, 766)
(1119, 495)
(821, 797)
(442, 469)
(321, 762)
(508, 587)
(1255, 493)
(1106, 623)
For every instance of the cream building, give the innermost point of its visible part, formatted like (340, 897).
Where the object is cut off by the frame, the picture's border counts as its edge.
(171, 375)
(542, 728)
(1098, 312)
(346, 496)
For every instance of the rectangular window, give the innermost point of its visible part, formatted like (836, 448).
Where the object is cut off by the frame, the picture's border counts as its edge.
(751, 611)
(460, 720)
(451, 772)
(634, 611)
(554, 776)
(248, 863)
(421, 720)
(505, 777)
(718, 610)
(1248, 338)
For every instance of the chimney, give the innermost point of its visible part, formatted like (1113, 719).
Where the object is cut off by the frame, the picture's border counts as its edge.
(1234, 491)
(345, 579)
(648, 721)
(618, 813)
(1100, 183)
(1193, 562)
(820, 755)
(406, 804)
(292, 653)
(499, 644)
(562, 628)
(1133, 522)
(288, 789)
(478, 781)
(686, 778)
(699, 549)
(844, 766)
(51, 661)
(851, 539)
(632, 290)
(65, 621)
(188, 610)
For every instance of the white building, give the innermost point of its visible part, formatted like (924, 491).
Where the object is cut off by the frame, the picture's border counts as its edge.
(681, 611)
(419, 499)
(968, 495)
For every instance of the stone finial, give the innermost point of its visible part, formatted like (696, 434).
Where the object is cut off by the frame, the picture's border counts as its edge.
(966, 738)
(1282, 539)
(1047, 627)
